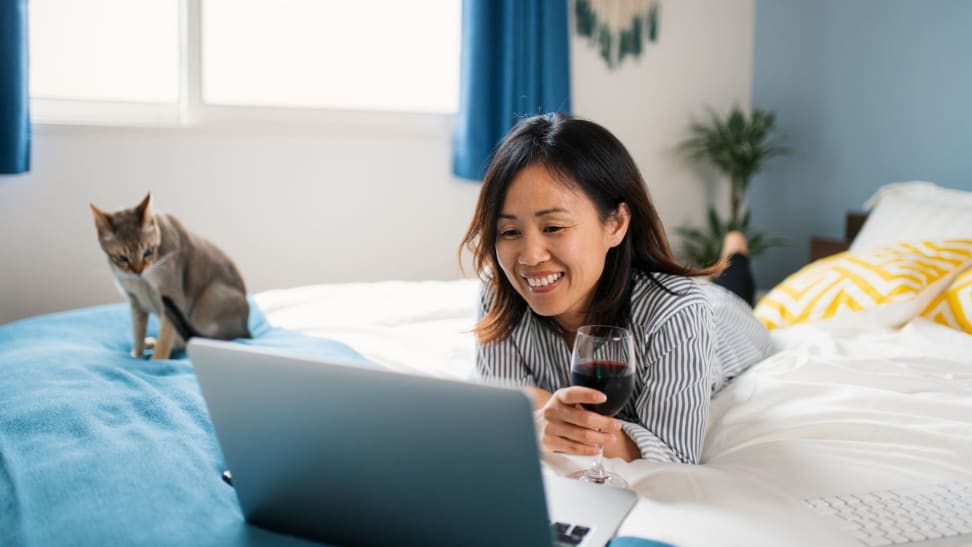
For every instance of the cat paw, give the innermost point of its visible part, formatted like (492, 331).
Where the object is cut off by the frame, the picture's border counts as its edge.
(149, 342)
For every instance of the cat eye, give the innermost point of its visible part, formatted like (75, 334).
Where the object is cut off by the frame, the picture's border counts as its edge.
(121, 258)
(148, 251)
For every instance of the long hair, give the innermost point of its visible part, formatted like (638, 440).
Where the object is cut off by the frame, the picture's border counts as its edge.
(581, 155)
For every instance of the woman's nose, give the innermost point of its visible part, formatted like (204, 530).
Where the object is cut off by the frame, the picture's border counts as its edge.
(534, 251)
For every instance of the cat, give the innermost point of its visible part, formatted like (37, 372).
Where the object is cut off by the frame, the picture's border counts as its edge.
(192, 286)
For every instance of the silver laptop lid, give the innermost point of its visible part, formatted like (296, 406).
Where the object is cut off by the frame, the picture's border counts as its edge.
(356, 456)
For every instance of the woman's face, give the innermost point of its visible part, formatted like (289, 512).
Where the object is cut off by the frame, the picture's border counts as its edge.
(552, 245)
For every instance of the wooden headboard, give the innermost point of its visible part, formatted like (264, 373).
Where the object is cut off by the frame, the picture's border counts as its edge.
(822, 246)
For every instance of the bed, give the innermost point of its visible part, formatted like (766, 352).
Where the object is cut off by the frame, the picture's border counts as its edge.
(97, 448)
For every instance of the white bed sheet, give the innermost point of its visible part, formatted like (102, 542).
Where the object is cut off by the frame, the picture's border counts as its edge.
(834, 410)
(409, 326)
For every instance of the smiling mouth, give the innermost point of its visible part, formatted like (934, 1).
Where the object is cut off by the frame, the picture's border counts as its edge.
(541, 283)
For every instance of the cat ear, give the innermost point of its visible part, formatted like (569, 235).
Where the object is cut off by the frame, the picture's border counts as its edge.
(144, 210)
(102, 222)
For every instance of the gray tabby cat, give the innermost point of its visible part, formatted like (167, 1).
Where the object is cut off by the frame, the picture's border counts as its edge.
(155, 259)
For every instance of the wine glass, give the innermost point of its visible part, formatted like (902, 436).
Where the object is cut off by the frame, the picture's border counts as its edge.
(603, 359)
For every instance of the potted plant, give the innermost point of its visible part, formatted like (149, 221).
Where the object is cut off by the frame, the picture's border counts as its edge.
(738, 146)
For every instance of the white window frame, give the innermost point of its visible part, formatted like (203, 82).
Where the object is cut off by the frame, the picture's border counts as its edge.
(191, 113)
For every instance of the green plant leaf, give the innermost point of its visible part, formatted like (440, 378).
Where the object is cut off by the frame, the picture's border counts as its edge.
(715, 223)
(691, 233)
(738, 145)
(735, 144)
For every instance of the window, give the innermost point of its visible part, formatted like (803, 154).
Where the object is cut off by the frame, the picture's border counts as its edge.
(104, 60)
(373, 55)
(169, 61)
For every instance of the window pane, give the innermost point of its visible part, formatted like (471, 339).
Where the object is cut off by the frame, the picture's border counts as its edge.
(123, 50)
(367, 55)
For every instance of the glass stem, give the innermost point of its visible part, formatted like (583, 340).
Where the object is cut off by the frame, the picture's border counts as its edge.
(597, 468)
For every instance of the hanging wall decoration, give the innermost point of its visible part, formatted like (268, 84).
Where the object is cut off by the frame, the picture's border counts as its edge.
(617, 28)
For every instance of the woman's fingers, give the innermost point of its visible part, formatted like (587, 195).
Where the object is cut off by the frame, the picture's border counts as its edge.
(578, 395)
(589, 437)
(570, 410)
(566, 426)
(561, 444)
(581, 417)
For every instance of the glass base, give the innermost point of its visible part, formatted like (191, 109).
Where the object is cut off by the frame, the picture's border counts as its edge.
(605, 477)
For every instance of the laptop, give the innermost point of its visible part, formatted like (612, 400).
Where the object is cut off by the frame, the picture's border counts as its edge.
(348, 454)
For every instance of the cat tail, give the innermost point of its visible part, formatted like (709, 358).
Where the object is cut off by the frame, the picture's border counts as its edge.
(179, 321)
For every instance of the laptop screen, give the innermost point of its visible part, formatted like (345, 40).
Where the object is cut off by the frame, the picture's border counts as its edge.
(349, 455)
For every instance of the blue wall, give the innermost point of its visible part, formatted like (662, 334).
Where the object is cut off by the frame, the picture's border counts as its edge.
(867, 92)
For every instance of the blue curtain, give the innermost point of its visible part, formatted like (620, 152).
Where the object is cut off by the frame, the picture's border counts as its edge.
(14, 99)
(515, 63)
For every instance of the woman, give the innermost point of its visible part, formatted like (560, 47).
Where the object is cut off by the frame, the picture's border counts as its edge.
(564, 234)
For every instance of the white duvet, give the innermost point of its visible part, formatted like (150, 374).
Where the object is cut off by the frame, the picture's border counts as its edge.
(834, 410)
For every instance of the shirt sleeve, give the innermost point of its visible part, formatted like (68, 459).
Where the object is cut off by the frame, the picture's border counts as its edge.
(743, 340)
(673, 406)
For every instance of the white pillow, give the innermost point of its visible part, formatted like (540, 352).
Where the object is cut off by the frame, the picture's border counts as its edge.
(908, 211)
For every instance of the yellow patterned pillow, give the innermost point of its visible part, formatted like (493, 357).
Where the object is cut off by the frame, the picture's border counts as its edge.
(889, 285)
(953, 307)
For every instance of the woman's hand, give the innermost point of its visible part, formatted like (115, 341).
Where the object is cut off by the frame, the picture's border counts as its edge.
(563, 425)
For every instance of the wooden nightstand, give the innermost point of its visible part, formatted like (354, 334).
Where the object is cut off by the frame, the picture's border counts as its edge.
(822, 246)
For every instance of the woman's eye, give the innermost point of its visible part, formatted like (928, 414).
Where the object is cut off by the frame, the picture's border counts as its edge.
(509, 233)
(121, 258)
(148, 252)
(551, 229)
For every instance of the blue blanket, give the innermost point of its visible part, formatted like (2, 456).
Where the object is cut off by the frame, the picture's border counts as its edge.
(100, 448)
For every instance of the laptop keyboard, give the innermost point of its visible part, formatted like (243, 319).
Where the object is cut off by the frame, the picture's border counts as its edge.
(892, 517)
(568, 534)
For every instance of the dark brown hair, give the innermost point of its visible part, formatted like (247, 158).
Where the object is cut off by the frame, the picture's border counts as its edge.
(583, 155)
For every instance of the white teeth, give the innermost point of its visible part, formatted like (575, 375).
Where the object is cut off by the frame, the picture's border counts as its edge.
(543, 281)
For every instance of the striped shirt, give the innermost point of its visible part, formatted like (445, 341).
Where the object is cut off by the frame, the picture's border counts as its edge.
(682, 358)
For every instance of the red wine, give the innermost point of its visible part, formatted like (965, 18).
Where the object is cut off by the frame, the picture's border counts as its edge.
(609, 377)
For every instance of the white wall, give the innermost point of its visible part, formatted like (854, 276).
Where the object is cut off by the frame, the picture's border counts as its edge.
(703, 58)
(314, 204)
